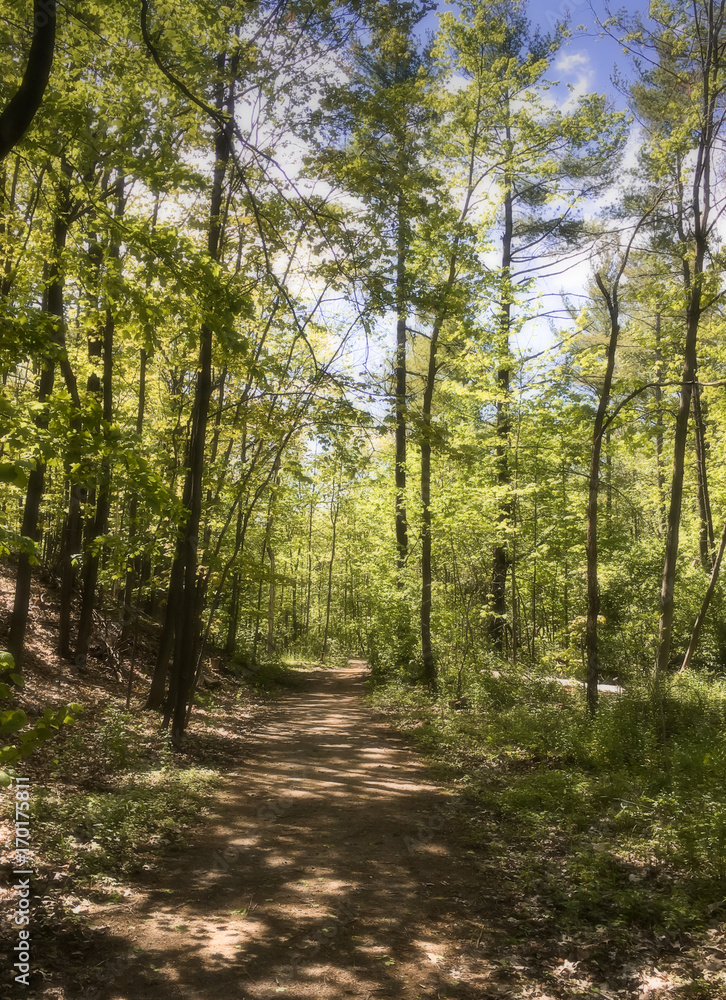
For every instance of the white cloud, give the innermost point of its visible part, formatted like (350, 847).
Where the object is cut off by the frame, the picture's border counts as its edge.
(573, 62)
(578, 66)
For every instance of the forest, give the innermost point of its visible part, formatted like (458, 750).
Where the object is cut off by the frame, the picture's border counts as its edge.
(335, 330)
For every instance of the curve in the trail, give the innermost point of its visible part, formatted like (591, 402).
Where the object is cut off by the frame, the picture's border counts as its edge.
(325, 873)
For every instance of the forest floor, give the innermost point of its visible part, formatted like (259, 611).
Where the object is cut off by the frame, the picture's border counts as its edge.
(330, 861)
(324, 871)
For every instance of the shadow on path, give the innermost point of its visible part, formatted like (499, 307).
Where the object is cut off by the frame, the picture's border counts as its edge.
(325, 872)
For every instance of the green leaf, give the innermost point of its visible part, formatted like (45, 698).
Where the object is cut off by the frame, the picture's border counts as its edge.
(12, 720)
(13, 474)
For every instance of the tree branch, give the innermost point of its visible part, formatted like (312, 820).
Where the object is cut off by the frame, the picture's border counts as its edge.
(20, 111)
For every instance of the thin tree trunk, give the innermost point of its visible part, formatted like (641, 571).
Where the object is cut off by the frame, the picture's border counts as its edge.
(309, 582)
(231, 642)
(334, 509)
(659, 425)
(187, 632)
(271, 603)
(705, 535)
(155, 699)
(696, 634)
(104, 348)
(426, 648)
(498, 616)
(401, 396)
(429, 663)
(133, 572)
(53, 305)
(679, 451)
(593, 591)
(29, 529)
(693, 277)
(265, 549)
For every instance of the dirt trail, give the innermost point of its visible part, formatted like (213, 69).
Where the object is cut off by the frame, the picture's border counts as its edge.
(325, 873)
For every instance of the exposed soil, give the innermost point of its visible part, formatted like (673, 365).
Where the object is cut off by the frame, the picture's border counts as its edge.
(325, 871)
(332, 865)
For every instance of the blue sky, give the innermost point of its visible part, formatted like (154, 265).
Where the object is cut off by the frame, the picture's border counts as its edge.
(587, 58)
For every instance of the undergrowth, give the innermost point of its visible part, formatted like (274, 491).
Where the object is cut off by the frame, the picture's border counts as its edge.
(116, 798)
(617, 820)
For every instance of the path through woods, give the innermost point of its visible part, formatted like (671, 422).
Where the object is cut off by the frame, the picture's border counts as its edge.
(328, 871)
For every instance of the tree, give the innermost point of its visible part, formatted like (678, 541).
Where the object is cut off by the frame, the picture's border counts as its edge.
(679, 100)
(16, 117)
(542, 162)
(378, 126)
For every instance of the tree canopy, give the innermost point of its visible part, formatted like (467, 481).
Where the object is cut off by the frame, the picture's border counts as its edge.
(266, 274)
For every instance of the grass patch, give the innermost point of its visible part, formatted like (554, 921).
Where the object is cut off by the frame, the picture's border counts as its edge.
(121, 831)
(269, 677)
(604, 821)
(115, 799)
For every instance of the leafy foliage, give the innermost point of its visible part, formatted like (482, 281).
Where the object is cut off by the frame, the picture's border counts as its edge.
(15, 720)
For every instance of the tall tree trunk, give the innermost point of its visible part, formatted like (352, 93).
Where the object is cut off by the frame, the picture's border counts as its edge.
(133, 572)
(155, 698)
(706, 539)
(426, 582)
(659, 425)
(679, 451)
(498, 616)
(101, 347)
(334, 510)
(711, 70)
(696, 633)
(309, 581)
(231, 642)
(593, 591)
(401, 391)
(29, 529)
(53, 305)
(187, 631)
(271, 602)
(429, 662)
(265, 549)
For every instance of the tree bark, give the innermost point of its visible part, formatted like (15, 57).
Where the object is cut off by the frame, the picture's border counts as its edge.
(593, 591)
(401, 397)
(679, 451)
(696, 634)
(659, 425)
(18, 114)
(334, 510)
(188, 629)
(693, 265)
(498, 615)
(271, 603)
(706, 541)
(36, 481)
(101, 347)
